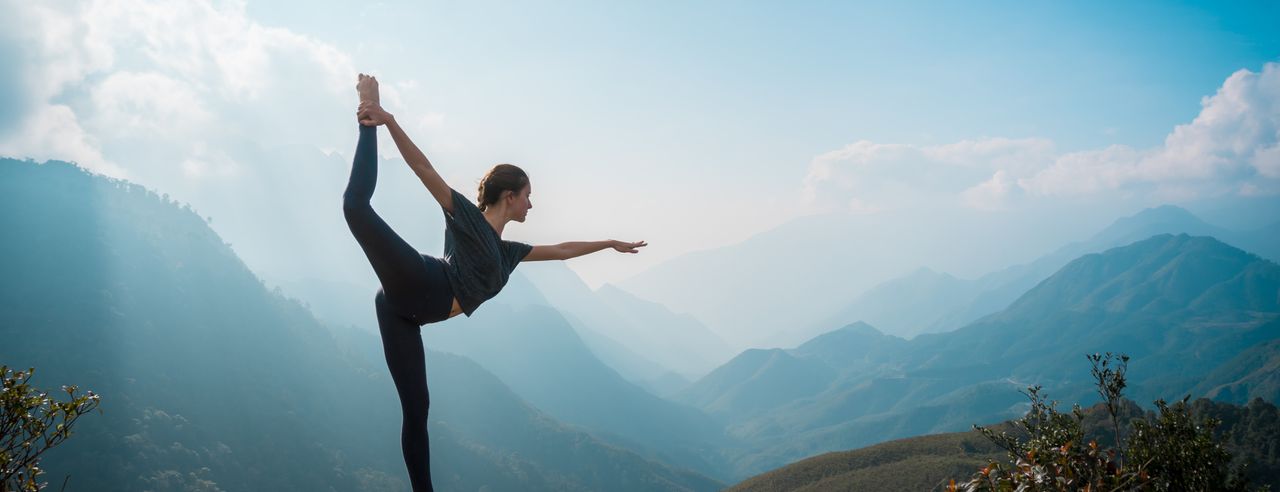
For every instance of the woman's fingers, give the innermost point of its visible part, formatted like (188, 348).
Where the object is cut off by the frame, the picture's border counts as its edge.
(631, 247)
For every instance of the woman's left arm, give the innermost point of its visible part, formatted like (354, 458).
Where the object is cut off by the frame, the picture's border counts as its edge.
(574, 249)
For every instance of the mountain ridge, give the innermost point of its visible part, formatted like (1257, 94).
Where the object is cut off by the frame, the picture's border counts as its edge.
(1170, 301)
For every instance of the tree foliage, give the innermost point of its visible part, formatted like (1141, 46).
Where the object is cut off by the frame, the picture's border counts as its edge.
(1048, 450)
(31, 423)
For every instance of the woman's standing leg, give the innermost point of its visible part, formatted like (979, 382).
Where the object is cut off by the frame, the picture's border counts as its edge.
(402, 345)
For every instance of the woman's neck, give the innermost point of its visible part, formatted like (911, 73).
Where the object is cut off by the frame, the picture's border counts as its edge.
(496, 219)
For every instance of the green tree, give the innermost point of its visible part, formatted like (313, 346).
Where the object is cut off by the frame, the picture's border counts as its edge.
(1168, 450)
(31, 423)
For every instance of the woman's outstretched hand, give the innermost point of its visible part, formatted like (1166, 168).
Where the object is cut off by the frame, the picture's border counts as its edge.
(371, 114)
(625, 247)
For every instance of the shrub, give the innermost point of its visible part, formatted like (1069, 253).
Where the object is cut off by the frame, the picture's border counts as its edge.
(31, 423)
(1170, 450)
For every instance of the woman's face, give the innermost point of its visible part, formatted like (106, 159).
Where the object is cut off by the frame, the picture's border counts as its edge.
(520, 204)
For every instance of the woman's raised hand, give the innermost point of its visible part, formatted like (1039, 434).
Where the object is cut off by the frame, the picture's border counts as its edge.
(371, 114)
(625, 247)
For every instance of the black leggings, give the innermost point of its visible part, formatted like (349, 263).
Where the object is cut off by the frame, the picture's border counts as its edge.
(415, 291)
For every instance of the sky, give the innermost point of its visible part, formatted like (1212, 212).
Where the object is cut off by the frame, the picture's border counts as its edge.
(691, 125)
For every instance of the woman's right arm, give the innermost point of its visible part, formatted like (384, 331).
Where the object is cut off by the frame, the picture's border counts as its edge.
(414, 157)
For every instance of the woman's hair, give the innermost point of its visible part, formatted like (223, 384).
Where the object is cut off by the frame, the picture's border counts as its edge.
(501, 178)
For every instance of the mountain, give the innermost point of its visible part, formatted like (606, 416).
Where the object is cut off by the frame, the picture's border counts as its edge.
(761, 380)
(677, 341)
(1181, 306)
(905, 306)
(1255, 373)
(642, 331)
(1167, 301)
(209, 380)
(855, 347)
(757, 380)
(535, 351)
(748, 292)
(917, 463)
(595, 322)
(931, 302)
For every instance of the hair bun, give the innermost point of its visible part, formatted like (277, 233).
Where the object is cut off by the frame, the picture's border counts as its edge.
(502, 177)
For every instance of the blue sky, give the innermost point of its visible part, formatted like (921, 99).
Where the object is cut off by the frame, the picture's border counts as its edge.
(816, 74)
(688, 124)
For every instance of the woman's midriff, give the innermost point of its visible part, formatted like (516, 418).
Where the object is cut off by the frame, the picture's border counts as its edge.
(456, 308)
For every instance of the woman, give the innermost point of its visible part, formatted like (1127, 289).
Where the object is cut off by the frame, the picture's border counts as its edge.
(419, 289)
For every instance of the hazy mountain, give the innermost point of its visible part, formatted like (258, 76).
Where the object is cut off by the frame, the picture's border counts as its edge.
(798, 273)
(761, 380)
(916, 463)
(930, 302)
(757, 380)
(595, 322)
(209, 379)
(535, 351)
(677, 341)
(856, 347)
(905, 306)
(1181, 306)
(783, 286)
(1255, 373)
(643, 340)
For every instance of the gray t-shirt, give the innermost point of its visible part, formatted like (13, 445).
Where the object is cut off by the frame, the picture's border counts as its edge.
(479, 261)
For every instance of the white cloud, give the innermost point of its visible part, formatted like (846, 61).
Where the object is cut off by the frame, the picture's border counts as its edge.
(166, 81)
(1229, 144)
(55, 53)
(1085, 172)
(53, 132)
(199, 100)
(149, 103)
(991, 194)
(1231, 148)
(1005, 153)
(897, 176)
(1267, 161)
(58, 49)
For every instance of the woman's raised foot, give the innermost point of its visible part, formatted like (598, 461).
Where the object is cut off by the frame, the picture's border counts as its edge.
(367, 87)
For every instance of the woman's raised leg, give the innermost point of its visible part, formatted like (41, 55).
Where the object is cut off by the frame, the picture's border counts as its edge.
(405, 288)
(398, 266)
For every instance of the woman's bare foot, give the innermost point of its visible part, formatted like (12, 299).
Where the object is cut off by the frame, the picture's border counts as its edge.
(367, 87)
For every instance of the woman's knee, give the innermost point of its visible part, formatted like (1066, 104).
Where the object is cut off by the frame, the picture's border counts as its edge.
(354, 203)
(416, 407)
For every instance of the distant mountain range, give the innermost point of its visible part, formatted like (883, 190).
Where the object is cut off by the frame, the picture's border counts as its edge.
(210, 380)
(1182, 306)
(116, 289)
(780, 280)
(931, 302)
(643, 340)
(535, 351)
(842, 278)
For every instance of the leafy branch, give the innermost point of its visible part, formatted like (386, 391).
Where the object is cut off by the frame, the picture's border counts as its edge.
(32, 423)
